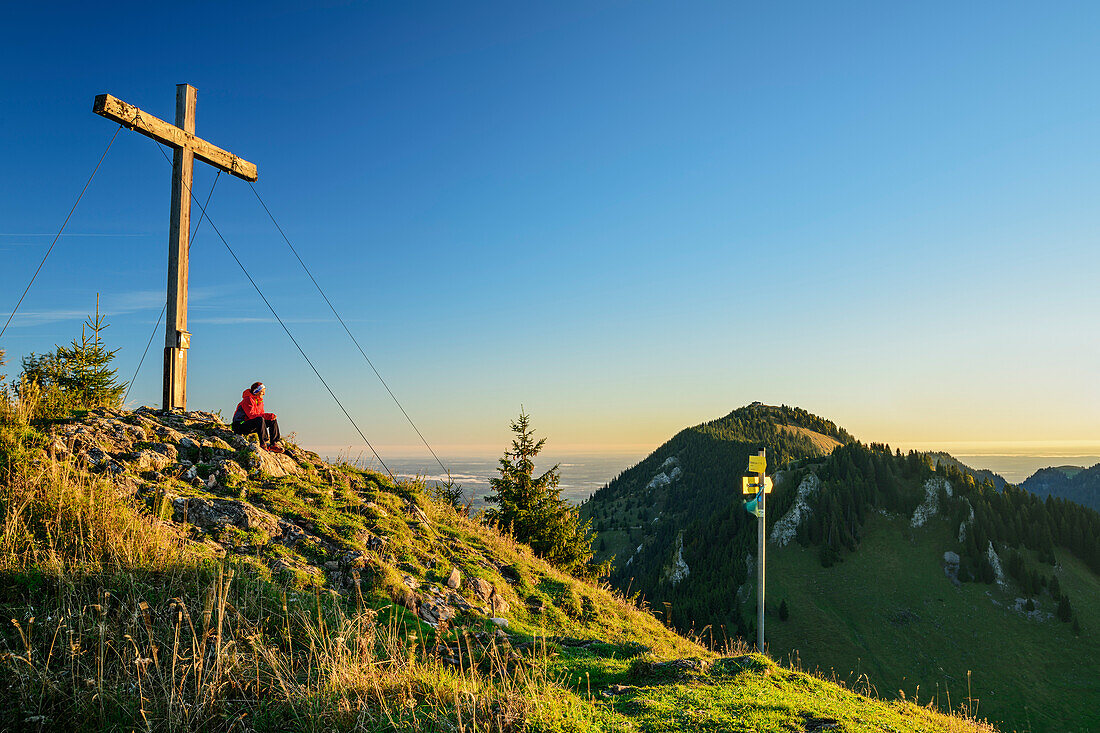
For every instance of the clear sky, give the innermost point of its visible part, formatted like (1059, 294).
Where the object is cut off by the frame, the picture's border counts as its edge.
(628, 217)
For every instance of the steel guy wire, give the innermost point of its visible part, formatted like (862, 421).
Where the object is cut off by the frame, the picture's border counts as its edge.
(287, 330)
(163, 308)
(58, 235)
(346, 329)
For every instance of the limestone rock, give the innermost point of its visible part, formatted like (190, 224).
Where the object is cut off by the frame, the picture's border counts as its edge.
(353, 559)
(226, 468)
(240, 442)
(58, 447)
(482, 588)
(217, 445)
(166, 449)
(274, 465)
(454, 580)
(432, 613)
(458, 601)
(149, 460)
(96, 456)
(213, 513)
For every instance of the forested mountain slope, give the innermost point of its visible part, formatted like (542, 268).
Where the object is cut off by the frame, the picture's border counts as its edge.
(686, 495)
(1077, 484)
(862, 541)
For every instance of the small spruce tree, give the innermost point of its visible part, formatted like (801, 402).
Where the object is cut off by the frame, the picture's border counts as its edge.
(75, 377)
(530, 508)
(87, 376)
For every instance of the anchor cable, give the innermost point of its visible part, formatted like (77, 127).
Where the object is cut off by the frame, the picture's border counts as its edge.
(58, 235)
(163, 308)
(346, 329)
(288, 333)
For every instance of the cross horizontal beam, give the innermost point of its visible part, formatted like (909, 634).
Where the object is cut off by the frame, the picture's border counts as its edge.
(135, 119)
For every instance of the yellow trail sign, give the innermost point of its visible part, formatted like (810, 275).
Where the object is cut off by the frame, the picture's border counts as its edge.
(751, 485)
(757, 464)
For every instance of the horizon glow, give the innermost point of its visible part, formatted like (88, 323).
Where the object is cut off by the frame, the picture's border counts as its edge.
(628, 218)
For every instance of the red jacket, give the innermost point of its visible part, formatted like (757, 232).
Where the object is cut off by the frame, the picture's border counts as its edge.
(251, 406)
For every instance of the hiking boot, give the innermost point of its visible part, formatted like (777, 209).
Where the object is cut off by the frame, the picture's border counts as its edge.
(274, 449)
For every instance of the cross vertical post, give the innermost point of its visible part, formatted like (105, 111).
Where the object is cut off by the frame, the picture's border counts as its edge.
(760, 562)
(176, 337)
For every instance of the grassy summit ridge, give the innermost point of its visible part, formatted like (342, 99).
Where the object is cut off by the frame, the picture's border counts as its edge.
(159, 573)
(685, 498)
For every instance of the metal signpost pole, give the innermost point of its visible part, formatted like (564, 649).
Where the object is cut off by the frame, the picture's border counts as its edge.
(760, 561)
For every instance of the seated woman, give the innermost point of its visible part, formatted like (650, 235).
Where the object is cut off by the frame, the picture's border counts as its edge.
(251, 418)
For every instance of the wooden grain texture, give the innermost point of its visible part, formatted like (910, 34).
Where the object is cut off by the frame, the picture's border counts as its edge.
(135, 119)
(174, 396)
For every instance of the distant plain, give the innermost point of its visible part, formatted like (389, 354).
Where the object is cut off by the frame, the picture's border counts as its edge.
(584, 473)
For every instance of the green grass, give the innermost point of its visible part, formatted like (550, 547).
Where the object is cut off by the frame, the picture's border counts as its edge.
(888, 612)
(737, 693)
(119, 621)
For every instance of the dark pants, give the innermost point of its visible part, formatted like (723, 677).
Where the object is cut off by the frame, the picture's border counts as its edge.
(268, 430)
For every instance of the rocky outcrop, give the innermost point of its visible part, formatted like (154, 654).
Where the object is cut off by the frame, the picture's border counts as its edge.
(995, 561)
(454, 580)
(275, 465)
(668, 472)
(192, 470)
(679, 570)
(147, 441)
(951, 566)
(784, 530)
(211, 514)
(930, 507)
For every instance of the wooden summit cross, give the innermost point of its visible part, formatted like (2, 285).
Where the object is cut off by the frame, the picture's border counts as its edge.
(181, 137)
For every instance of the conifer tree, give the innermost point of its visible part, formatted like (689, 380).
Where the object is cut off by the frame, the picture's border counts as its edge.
(87, 376)
(78, 376)
(530, 508)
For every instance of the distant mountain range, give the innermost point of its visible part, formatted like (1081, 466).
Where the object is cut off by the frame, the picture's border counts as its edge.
(1077, 484)
(898, 570)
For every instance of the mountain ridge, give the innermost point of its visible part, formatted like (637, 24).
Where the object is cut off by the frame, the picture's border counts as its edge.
(690, 546)
(1074, 483)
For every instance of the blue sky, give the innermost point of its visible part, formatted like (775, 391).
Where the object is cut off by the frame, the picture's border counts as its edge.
(628, 217)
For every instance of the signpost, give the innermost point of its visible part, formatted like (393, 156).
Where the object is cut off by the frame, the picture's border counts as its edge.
(759, 485)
